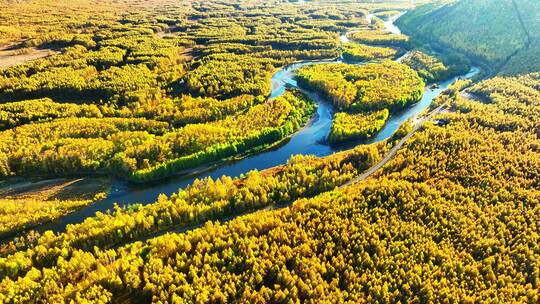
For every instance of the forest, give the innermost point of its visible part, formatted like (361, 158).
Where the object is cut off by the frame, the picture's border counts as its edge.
(141, 148)
(164, 77)
(433, 69)
(360, 52)
(372, 86)
(151, 83)
(379, 38)
(502, 33)
(141, 92)
(357, 126)
(422, 229)
(107, 98)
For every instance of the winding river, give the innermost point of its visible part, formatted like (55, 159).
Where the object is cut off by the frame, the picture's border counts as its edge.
(309, 140)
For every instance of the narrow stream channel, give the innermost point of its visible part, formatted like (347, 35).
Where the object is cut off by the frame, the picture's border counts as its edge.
(309, 140)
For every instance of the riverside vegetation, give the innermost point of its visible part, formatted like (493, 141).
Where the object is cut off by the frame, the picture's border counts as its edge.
(364, 93)
(433, 225)
(144, 89)
(152, 79)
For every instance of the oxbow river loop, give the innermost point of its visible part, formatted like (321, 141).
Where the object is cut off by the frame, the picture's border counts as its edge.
(309, 140)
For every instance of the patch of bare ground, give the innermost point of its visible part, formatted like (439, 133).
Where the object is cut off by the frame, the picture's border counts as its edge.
(10, 55)
(474, 97)
(54, 189)
(26, 204)
(166, 33)
(188, 54)
(447, 111)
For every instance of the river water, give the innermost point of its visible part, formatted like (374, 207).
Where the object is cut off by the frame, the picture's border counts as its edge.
(309, 140)
(390, 26)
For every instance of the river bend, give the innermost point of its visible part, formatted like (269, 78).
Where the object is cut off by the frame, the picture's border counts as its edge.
(309, 140)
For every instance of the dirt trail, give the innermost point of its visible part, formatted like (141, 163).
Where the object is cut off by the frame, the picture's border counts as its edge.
(418, 124)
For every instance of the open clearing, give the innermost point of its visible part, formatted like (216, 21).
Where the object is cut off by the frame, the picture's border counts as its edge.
(10, 56)
(54, 189)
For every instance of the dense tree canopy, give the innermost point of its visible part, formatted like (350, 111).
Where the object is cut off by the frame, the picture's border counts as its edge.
(451, 218)
(379, 38)
(357, 126)
(503, 33)
(146, 90)
(200, 70)
(360, 52)
(358, 87)
(433, 69)
(447, 214)
(142, 148)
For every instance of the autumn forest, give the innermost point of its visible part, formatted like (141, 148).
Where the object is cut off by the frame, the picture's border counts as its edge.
(282, 151)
